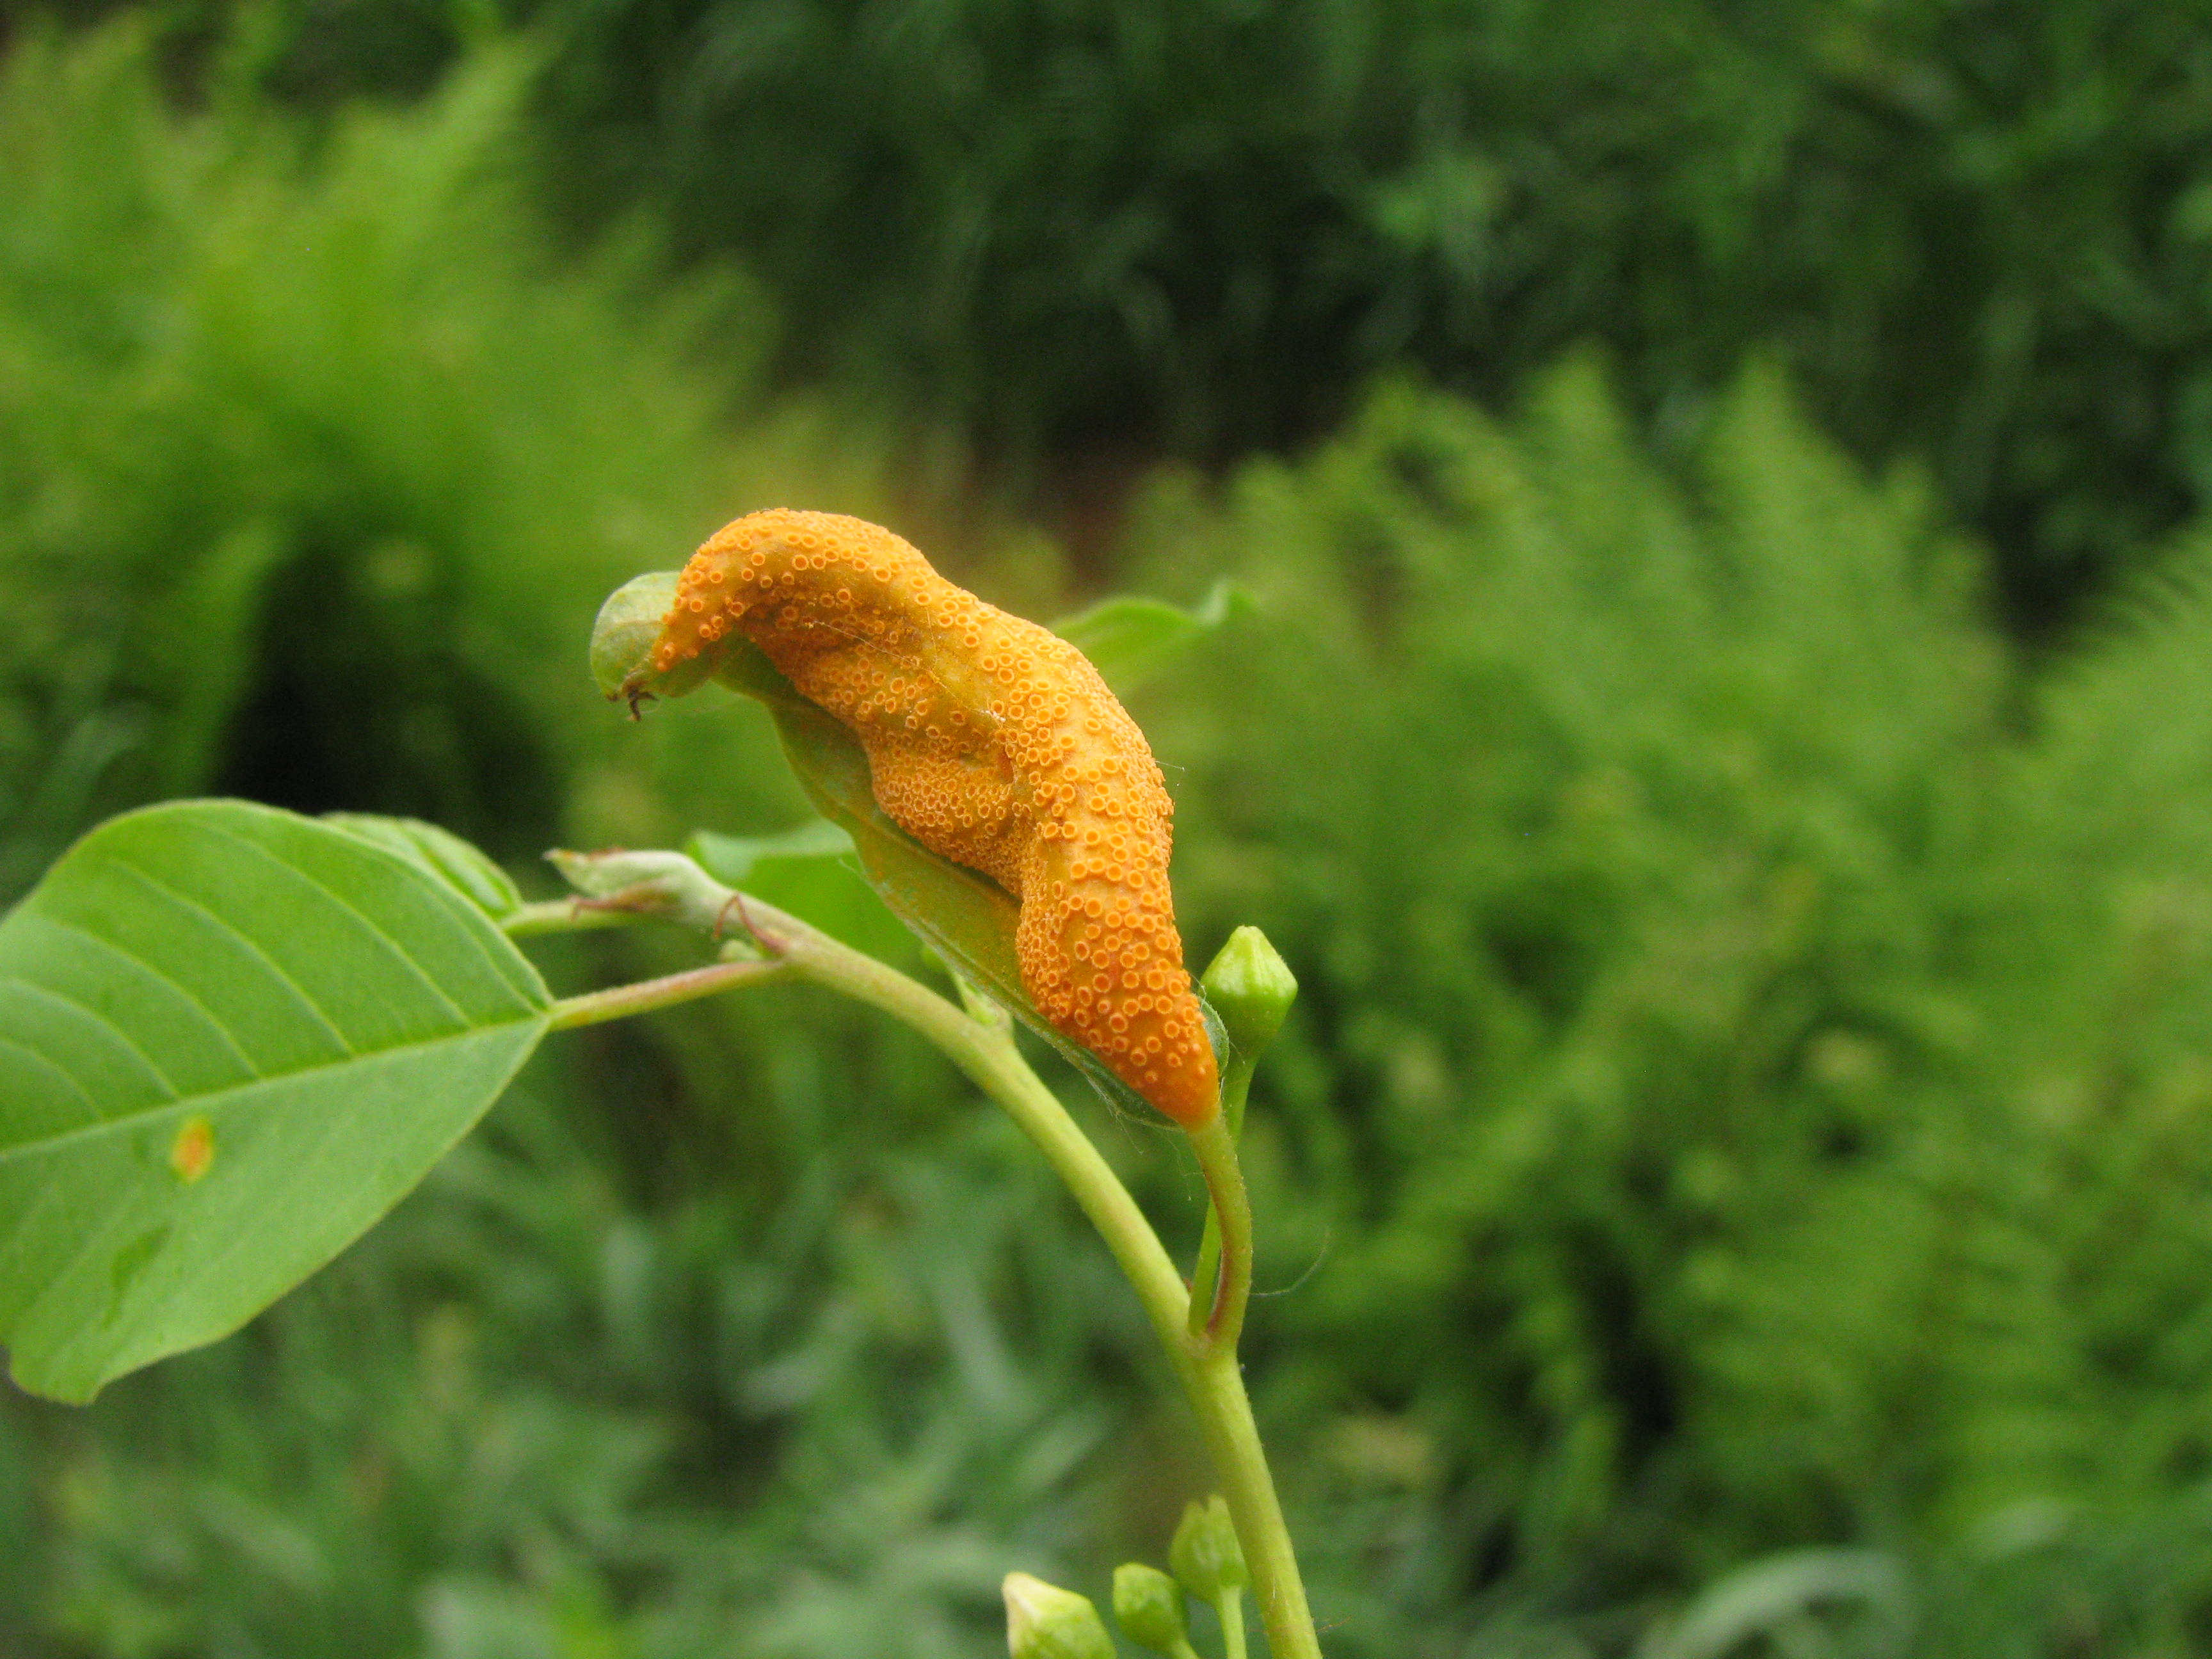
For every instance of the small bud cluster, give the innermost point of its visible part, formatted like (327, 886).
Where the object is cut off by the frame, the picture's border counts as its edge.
(1044, 1622)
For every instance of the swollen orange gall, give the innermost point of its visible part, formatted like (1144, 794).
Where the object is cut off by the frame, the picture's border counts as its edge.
(994, 744)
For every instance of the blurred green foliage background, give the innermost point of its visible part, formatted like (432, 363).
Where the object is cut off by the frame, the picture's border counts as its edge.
(1725, 740)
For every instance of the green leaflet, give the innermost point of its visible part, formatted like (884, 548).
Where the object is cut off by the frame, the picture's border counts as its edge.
(1129, 639)
(231, 1038)
(461, 865)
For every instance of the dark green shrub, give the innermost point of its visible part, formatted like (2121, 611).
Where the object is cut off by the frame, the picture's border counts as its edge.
(1979, 233)
(311, 468)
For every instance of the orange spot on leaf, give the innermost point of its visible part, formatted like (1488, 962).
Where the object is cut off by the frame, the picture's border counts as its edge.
(192, 1153)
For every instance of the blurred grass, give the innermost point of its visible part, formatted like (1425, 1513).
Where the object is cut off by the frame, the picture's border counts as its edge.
(1741, 1140)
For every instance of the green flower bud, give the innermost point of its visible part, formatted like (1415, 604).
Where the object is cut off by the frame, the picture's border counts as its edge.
(1252, 989)
(1148, 1605)
(1205, 1555)
(623, 640)
(1046, 1622)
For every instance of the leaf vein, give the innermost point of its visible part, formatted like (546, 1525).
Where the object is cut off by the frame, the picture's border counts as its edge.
(482, 931)
(97, 1018)
(59, 1071)
(214, 1020)
(398, 952)
(213, 1098)
(223, 925)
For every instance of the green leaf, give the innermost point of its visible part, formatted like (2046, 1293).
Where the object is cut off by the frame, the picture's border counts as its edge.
(968, 919)
(814, 872)
(461, 865)
(231, 1038)
(1128, 640)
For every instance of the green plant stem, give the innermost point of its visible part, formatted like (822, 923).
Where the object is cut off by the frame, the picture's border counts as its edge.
(982, 1044)
(986, 1051)
(1215, 1384)
(1233, 1622)
(567, 915)
(1231, 1214)
(1212, 1378)
(595, 1007)
(1235, 1085)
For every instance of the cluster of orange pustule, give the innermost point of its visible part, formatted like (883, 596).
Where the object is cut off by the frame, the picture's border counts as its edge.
(994, 744)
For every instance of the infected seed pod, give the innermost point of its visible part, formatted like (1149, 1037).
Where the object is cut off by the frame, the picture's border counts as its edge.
(993, 743)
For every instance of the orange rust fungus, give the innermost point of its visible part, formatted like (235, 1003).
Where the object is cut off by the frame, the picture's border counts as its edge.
(192, 1154)
(994, 744)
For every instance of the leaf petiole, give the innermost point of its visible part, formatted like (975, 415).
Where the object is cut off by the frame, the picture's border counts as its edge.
(620, 1002)
(568, 915)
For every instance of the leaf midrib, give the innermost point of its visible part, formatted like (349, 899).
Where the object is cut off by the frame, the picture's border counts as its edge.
(230, 1095)
(384, 943)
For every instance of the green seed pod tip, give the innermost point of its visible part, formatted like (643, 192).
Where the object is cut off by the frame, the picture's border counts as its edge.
(1205, 1555)
(1046, 1622)
(1148, 1606)
(1252, 988)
